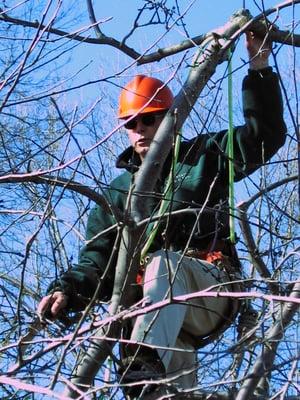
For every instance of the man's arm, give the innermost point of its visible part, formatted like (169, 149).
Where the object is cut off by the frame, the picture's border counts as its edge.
(259, 51)
(74, 288)
(264, 131)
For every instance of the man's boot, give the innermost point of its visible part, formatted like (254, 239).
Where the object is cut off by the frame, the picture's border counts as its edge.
(141, 374)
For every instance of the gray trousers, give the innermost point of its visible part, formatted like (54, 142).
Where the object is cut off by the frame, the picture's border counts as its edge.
(160, 329)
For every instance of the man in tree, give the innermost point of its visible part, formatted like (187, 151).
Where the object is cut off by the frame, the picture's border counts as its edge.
(190, 251)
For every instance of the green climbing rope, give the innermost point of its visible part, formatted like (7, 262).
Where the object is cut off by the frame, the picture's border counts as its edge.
(230, 151)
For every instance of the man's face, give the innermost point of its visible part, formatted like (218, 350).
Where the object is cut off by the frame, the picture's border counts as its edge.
(141, 131)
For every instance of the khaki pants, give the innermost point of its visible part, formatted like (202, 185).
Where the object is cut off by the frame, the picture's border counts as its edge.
(161, 328)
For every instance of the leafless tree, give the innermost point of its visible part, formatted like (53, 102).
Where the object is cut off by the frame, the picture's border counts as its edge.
(59, 139)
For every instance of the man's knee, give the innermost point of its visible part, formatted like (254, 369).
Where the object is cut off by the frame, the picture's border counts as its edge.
(163, 265)
(166, 260)
(162, 272)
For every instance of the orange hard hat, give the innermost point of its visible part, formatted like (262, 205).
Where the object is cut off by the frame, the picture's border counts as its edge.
(143, 95)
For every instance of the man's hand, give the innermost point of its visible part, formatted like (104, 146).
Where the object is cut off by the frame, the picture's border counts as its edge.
(259, 50)
(52, 304)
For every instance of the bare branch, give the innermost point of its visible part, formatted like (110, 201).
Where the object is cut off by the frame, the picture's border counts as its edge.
(61, 182)
(21, 385)
(93, 20)
(264, 362)
(74, 36)
(246, 230)
(276, 35)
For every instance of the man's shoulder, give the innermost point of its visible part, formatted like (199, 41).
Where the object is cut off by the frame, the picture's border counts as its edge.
(121, 183)
(201, 142)
(121, 180)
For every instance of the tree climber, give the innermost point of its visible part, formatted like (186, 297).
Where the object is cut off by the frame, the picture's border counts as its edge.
(189, 252)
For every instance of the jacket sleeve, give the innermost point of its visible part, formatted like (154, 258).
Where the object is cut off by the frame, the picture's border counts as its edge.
(80, 282)
(264, 130)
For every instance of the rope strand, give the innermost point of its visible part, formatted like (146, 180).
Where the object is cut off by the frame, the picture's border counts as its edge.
(230, 152)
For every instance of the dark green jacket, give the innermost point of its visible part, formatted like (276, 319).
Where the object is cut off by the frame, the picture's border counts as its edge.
(202, 167)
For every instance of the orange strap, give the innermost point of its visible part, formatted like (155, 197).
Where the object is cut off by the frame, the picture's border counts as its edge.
(209, 256)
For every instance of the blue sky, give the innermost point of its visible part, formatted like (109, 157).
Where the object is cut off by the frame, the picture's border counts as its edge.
(201, 17)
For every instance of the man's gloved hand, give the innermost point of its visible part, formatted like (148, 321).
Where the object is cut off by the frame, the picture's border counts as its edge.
(52, 305)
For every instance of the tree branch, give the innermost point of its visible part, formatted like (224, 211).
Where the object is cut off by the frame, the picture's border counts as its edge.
(264, 362)
(276, 35)
(259, 27)
(93, 20)
(30, 388)
(73, 35)
(247, 233)
(61, 182)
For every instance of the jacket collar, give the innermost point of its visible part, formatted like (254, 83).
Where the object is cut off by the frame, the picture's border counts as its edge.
(129, 160)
